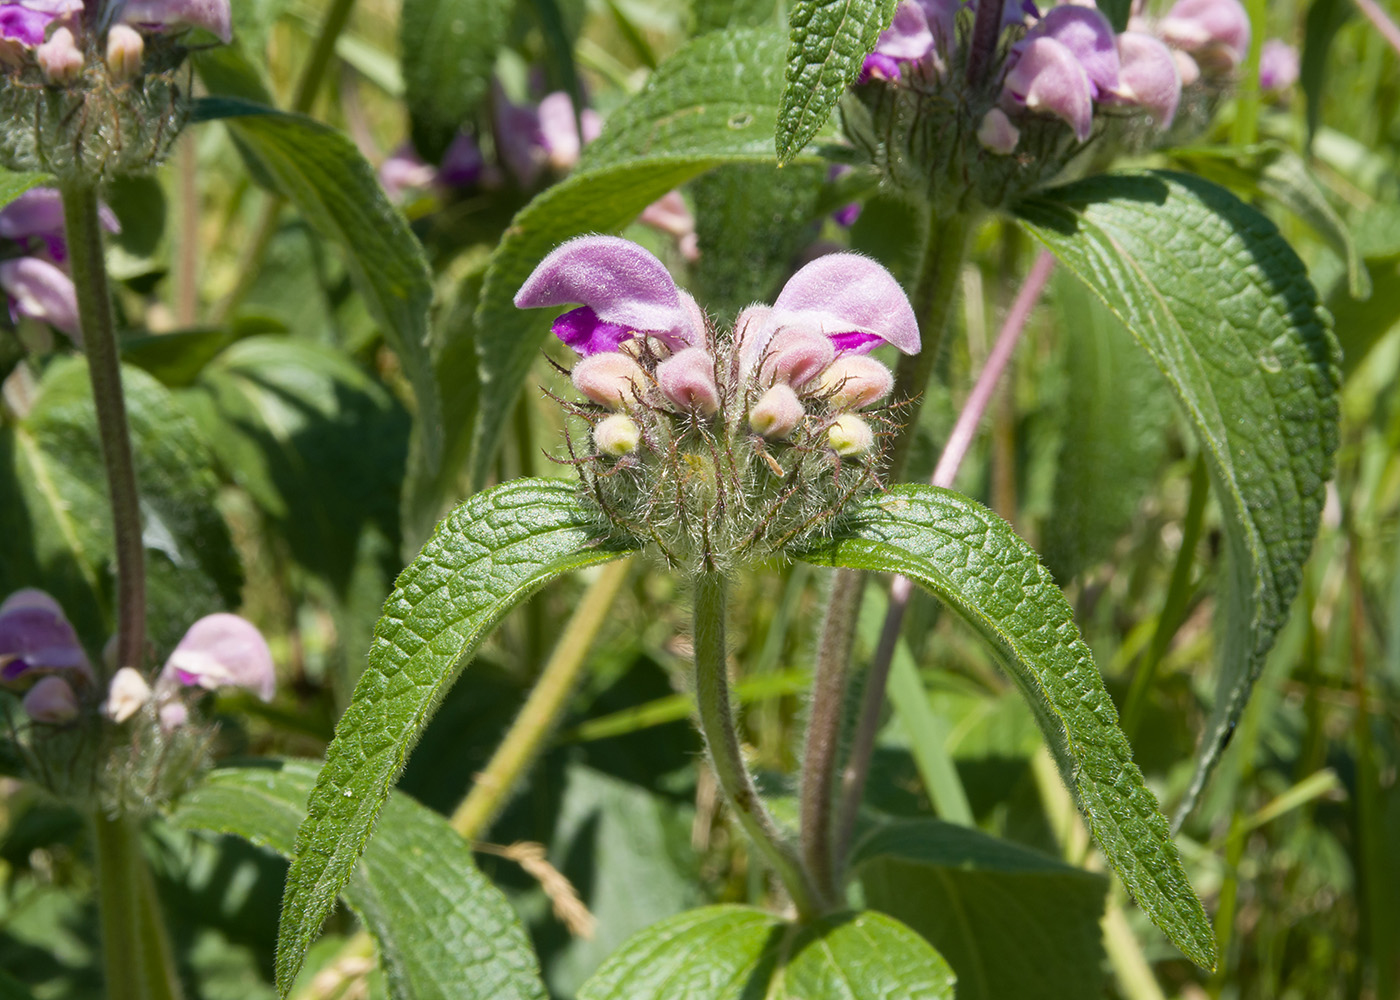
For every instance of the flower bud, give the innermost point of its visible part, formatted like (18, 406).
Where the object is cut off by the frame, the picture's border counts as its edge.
(856, 381)
(617, 435)
(687, 379)
(850, 436)
(222, 650)
(127, 693)
(1278, 65)
(52, 701)
(796, 355)
(1147, 77)
(777, 412)
(41, 291)
(1216, 29)
(60, 58)
(610, 379)
(173, 714)
(1049, 78)
(125, 50)
(997, 134)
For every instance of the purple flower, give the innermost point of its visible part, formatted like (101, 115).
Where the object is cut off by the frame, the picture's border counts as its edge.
(41, 291)
(559, 130)
(462, 164)
(624, 293)
(843, 300)
(1278, 65)
(211, 15)
(908, 39)
(404, 170)
(671, 215)
(35, 638)
(222, 650)
(1148, 77)
(1088, 35)
(1049, 78)
(38, 214)
(1208, 27)
(26, 21)
(51, 700)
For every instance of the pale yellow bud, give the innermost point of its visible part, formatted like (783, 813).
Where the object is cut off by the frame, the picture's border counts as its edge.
(777, 412)
(850, 436)
(125, 50)
(59, 57)
(617, 435)
(856, 381)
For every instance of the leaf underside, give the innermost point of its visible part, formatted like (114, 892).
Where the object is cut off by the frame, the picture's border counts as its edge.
(485, 557)
(974, 562)
(442, 929)
(1224, 307)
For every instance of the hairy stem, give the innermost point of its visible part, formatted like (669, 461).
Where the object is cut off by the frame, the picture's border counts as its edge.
(954, 451)
(137, 960)
(822, 748)
(84, 232)
(717, 724)
(986, 29)
(543, 708)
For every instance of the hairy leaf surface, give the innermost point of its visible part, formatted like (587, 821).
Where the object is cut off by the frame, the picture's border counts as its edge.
(487, 556)
(829, 40)
(1224, 307)
(442, 929)
(973, 561)
(713, 102)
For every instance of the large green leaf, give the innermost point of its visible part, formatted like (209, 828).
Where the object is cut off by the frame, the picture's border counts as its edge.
(829, 42)
(56, 520)
(973, 561)
(715, 101)
(722, 952)
(334, 188)
(443, 930)
(448, 48)
(1225, 309)
(487, 556)
(1011, 922)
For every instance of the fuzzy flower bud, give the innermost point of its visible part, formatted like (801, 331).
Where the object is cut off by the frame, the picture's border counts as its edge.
(855, 381)
(795, 355)
(223, 650)
(687, 380)
(60, 58)
(127, 693)
(611, 379)
(997, 134)
(617, 435)
(125, 50)
(777, 412)
(850, 436)
(1148, 77)
(1048, 78)
(52, 701)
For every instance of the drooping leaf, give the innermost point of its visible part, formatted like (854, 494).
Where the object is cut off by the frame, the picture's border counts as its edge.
(1325, 18)
(55, 517)
(829, 40)
(1010, 921)
(721, 952)
(334, 188)
(486, 557)
(713, 102)
(973, 561)
(1224, 307)
(442, 929)
(448, 48)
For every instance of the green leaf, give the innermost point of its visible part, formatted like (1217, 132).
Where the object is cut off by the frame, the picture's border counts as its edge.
(829, 42)
(1011, 922)
(1225, 309)
(1117, 12)
(973, 561)
(13, 184)
(56, 519)
(722, 952)
(442, 929)
(322, 173)
(1325, 18)
(448, 48)
(1274, 171)
(486, 557)
(715, 101)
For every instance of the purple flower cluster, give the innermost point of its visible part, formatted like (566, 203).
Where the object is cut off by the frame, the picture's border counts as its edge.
(33, 273)
(30, 23)
(40, 654)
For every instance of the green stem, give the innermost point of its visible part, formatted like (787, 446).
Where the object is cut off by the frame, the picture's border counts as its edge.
(933, 305)
(823, 744)
(542, 709)
(84, 232)
(315, 69)
(136, 954)
(1178, 596)
(717, 723)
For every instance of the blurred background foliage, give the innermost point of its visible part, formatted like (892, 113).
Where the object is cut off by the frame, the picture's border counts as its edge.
(249, 330)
